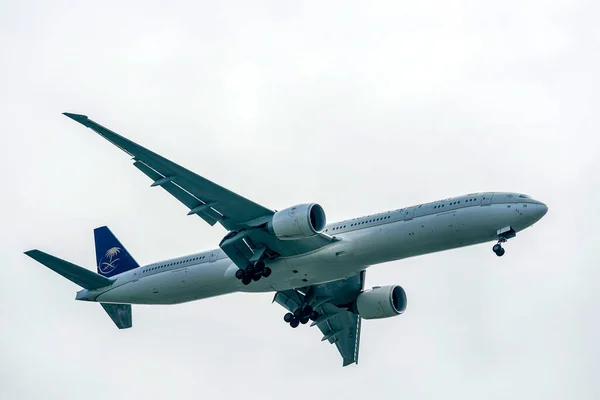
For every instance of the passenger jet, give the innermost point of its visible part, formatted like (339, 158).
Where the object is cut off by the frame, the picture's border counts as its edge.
(317, 270)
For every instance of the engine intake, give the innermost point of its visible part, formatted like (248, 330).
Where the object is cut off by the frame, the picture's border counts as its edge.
(298, 222)
(381, 302)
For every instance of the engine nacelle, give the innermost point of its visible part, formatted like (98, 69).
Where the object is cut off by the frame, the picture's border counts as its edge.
(381, 302)
(298, 222)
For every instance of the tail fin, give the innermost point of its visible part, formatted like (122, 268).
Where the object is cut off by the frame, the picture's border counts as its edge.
(112, 257)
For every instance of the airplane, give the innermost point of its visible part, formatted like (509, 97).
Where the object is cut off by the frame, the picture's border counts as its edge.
(316, 269)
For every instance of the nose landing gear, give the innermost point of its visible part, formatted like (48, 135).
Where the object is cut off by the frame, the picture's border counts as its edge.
(503, 235)
(498, 249)
(253, 272)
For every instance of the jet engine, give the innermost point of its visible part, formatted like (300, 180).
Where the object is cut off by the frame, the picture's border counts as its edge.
(381, 302)
(298, 222)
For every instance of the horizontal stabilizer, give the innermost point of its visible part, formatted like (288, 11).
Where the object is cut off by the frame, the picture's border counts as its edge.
(76, 274)
(119, 313)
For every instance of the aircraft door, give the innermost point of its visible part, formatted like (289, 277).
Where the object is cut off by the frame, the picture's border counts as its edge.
(136, 275)
(409, 213)
(486, 199)
(214, 255)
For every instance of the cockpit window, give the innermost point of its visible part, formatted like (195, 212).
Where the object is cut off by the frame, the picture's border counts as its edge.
(524, 196)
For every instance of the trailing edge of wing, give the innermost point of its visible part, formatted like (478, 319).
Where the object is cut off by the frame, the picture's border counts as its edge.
(76, 274)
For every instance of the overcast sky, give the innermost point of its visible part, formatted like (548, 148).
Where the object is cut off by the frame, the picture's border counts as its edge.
(359, 106)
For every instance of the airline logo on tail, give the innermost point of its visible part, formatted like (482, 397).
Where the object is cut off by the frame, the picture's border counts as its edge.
(108, 262)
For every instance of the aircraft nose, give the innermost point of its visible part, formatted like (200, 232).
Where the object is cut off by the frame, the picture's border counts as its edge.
(540, 210)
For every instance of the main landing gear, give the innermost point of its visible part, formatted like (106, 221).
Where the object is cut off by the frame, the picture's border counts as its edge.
(301, 316)
(253, 272)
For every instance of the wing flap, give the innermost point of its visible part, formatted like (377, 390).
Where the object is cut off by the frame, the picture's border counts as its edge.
(184, 197)
(343, 330)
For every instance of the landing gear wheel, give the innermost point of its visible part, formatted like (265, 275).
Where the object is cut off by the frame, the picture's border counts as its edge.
(267, 272)
(259, 265)
(294, 323)
(313, 316)
(250, 270)
(307, 310)
(240, 273)
(498, 249)
(288, 317)
(246, 280)
(255, 277)
(298, 313)
(304, 320)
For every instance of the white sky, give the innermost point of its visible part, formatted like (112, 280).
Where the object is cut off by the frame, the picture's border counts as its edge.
(360, 106)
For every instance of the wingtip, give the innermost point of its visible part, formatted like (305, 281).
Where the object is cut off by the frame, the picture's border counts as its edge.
(31, 252)
(82, 119)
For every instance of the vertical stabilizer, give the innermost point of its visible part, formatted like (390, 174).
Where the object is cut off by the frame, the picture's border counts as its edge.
(112, 258)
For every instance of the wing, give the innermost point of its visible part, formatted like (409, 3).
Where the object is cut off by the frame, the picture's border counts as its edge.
(204, 198)
(211, 202)
(333, 300)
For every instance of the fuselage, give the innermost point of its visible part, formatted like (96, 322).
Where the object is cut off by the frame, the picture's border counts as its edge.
(364, 241)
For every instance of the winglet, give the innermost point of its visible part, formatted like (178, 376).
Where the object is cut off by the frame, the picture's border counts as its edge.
(82, 119)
